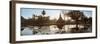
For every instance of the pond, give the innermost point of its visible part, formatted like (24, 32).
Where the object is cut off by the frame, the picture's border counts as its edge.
(52, 29)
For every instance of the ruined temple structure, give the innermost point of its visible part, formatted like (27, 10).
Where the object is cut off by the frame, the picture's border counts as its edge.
(41, 19)
(60, 22)
(36, 20)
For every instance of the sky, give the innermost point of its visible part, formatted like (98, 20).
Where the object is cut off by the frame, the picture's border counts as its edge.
(53, 13)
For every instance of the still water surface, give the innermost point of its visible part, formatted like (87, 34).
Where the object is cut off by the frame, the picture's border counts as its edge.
(53, 29)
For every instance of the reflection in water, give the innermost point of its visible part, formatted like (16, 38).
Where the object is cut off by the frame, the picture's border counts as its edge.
(52, 29)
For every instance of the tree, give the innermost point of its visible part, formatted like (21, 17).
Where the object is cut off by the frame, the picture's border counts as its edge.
(75, 15)
(23, 21)
(90, 20)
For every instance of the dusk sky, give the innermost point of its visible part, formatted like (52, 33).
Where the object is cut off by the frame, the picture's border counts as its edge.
(53, 13)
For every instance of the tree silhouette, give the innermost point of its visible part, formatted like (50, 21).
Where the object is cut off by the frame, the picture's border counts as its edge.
(75, 15)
